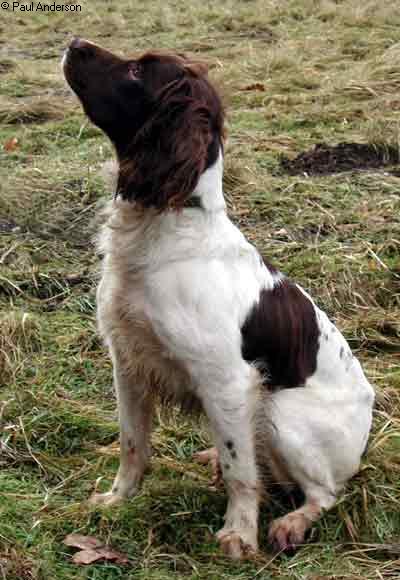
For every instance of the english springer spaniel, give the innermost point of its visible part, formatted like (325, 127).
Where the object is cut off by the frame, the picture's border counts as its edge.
(187, 306)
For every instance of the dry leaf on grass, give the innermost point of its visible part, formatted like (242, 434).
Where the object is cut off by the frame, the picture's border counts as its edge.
(114, 555)
(86, 557)
(92, 549)
(11, 144)
(83, 542)
(254, 87)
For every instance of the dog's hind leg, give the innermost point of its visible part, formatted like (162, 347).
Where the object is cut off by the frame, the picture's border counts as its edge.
(319, 439)
(289, 531)
(135, 408)
(307, 464)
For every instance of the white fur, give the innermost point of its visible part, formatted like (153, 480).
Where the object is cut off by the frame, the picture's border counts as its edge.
(176, 289)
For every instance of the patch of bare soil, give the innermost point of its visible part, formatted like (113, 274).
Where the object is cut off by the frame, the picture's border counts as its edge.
(324, 159)
(6, 66)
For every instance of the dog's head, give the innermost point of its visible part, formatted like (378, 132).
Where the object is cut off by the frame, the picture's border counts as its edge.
(161, 113)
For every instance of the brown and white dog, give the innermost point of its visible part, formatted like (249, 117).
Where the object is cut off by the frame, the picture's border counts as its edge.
(188, 307)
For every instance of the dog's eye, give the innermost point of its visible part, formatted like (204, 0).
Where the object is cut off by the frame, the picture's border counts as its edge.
(134, 71)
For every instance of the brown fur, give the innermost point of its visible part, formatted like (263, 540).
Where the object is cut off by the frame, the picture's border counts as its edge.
(162, 114)
(163, 163)
(281, 335)
(142, 356)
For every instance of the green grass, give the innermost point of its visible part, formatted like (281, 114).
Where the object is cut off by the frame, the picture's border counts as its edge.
(327, 71)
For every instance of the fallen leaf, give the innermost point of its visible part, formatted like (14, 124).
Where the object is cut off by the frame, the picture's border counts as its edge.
(110, 554)
(83, 542)
(254, 87)
(280, 232)
(86, 557)
(11, 144)
(92, 549)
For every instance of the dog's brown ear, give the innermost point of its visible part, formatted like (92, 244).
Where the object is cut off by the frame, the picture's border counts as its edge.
(197, 68)
(175, 146)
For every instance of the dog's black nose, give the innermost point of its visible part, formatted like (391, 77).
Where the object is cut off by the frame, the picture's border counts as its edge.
(81, 47)
(76, 42)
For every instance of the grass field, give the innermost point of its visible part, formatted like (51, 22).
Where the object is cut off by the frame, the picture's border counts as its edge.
(294, 73)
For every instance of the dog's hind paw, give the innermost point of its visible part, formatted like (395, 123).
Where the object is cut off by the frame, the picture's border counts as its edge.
(210, 456)
(237, 545)
(288, 532)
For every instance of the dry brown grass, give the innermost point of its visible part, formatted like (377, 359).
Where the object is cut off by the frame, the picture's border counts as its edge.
(19, 339)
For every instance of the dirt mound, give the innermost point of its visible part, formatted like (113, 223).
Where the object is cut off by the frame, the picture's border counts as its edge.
(6, 66)
(324, 159)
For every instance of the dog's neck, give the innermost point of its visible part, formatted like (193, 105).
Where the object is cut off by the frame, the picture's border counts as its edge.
(209, 188)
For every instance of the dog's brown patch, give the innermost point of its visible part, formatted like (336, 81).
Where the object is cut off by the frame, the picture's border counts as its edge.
(281, 334)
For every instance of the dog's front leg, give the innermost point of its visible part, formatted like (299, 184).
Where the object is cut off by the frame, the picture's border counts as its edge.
(135, 417)
(230, 409)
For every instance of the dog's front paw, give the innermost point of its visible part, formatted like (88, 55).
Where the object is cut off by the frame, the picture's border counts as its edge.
(238, 545)
(106, 499)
